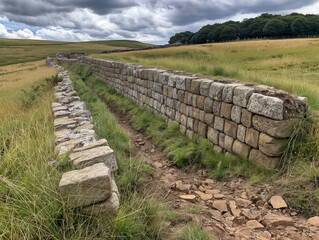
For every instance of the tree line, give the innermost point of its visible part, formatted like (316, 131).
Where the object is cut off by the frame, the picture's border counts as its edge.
(264, 26)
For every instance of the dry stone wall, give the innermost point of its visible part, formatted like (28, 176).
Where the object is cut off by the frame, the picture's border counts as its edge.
(91, 186)
(251, 121)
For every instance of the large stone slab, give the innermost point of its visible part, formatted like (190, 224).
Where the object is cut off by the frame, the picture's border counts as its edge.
(242, 95)
(258, 157)
(270, 146)
(103, 154)
(241, 149)
(61, 123)
(99, 143)
(83, 187)
(271, 107)
(277, 129)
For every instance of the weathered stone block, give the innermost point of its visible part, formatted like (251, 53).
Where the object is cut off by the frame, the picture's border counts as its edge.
(204, 87)
(172, 80)
(195, 86)
(180, 82)
(178, 117)
(241, 133)
(99, 143)
(180, 95)
(188, 99)
(219, 123)
(103, 154)
(218, 149)
(246, 118)
(230, 128)
(271, 107)
(61, 123)
(200, 102)
(196, 113)
(228, 143)
(190, 123)
(216, 91)
(86, 186)
(242, 95)
(271, 146)
(228, 92)
(190, 134)
(213, 135)
(104, 209)
(195, 126)
(221, 140)
(209, 119)
(241, 149)
(202, 115)
(258, 157)
(216, 108)
(277, 129)
(252, 137)
(225, 110)
(202, 129)
(208, 105)
(194, 100)
(236, 114)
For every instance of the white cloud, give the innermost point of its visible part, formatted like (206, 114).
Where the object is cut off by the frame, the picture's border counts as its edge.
(61, 34)
(20, 34)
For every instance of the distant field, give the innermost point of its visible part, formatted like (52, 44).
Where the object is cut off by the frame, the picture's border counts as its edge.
(20, 51)
(291, 65)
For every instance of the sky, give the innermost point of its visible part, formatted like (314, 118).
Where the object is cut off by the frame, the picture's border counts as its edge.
(151, 21)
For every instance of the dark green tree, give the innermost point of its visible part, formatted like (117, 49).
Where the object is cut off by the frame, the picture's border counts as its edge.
(274, 28)
(299, 26)
(181, 38)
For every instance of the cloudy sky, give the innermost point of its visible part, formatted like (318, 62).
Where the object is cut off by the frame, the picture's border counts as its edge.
(152, 21)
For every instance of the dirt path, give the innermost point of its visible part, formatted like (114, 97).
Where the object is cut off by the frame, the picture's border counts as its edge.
(227, 210)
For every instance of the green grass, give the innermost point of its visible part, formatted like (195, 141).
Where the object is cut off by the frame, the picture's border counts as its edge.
(194, 232)
(21, 51)
(290, 65)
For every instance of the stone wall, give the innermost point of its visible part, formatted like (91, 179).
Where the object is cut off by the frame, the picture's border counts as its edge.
(91, 186)
(251, 121)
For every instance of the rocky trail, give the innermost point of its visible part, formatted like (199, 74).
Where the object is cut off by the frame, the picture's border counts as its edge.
(231, 209)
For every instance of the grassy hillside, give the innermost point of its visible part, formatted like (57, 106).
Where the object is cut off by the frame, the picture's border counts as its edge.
(20, 51)
(291, 65)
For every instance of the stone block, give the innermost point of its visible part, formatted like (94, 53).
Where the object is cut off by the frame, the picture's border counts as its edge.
(236, 114)
(216, 91)
(213, 135)
(228, 143)
(196, 113)
(230, 128)
(216, 108)
(194, 100)
(195, 86)
(83, 187)
(204, 87)
(252, 137)
(202, 129)
(218, 149)
(209, 119)
(208, 105)
(242, 95)
(241, 133)
(172, 80)
(225, 110)
(188, 99)
(103, 154)
(274, 128)
(61, 123)
(221, 140)
(190, 123)
(228, 92)
(260, 158)
(195, 126)
(99, 143)
(200, 102)
(219, 123)
(246, 118)
(178, 117)
(270, 146)
(190, 134)
(180, 95)
(105, 209)
(180, 82)
(271, 107)
(241, 149)
(202, 115)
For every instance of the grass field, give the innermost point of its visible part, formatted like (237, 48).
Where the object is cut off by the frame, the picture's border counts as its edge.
(20, 51)
(290, 65)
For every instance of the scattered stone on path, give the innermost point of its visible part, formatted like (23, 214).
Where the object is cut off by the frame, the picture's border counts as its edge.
(242, 202)
(204, 196)
(212, 191)
(254, 224)
(313, 221)
(188, 197)
(219, 196)
(243, 233)
(181, 187)
(157, 164)
(220, 205)
(273, 220)
(233, 209)
(209, 181)
(277, 202)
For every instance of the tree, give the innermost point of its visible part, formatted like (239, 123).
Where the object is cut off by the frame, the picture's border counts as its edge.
(274, 28)
(228, 33)
(299, 26)
(181, 38)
